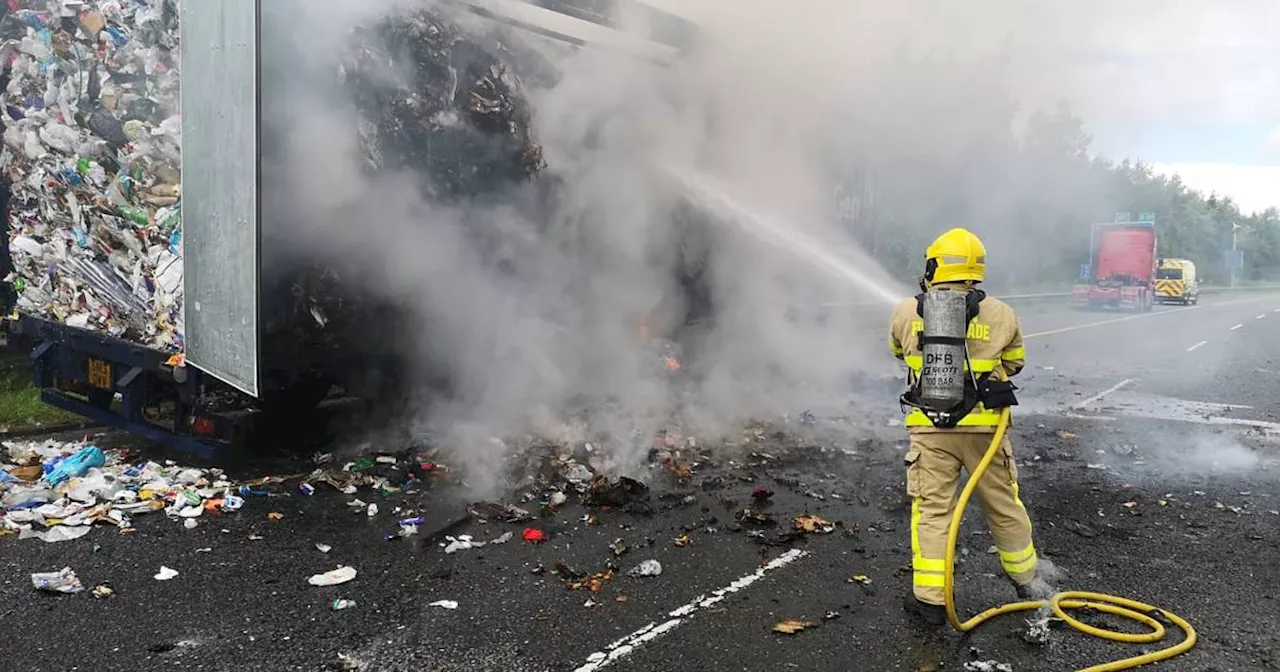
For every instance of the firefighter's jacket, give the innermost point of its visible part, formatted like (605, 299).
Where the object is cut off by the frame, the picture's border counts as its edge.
(995, 346)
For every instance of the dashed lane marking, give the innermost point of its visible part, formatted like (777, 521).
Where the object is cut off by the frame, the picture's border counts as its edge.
(1083, 416)
(625, 646)
(1260, 316)
(1091, 325)
(1137, 316)
(1103, 393)
(1193, 348)
(1263, 425)
(1236, 327)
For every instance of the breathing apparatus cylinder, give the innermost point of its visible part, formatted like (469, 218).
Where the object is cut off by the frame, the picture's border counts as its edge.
(942, 373)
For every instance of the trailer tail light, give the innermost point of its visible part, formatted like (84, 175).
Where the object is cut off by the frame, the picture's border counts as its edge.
(202, 426)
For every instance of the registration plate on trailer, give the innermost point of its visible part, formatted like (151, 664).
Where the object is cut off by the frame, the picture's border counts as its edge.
(100, 374)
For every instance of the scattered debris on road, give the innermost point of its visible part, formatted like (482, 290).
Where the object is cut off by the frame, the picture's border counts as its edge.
(56, 491)
(791, 626)
(811, 524)
(987, 666)
(165, 573)
(333, 577)
(444, 604)
(646, 568)
(64, 581)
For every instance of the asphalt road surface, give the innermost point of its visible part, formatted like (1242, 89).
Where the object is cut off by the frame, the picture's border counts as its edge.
(1150, 463)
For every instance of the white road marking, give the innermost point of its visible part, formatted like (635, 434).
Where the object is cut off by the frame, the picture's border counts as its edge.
(1139, 316)
(1259, 317)
(1103, 393)
(1199, 420)
(1192, 348)
(1211, 420)
(1236, 327)
(1091, 325)
(625, 646)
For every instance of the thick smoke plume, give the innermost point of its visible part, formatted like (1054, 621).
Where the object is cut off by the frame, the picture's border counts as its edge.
(528, 301)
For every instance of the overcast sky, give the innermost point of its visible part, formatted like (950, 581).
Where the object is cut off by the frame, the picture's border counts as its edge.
(1191, 86)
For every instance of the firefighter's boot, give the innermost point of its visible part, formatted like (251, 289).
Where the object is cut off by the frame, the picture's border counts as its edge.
(931, 614)
(1029, 591)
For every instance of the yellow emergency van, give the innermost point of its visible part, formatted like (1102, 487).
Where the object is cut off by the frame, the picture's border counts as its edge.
(1176, 282)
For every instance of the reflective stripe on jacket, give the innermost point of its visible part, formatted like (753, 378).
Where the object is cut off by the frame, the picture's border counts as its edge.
(995, 345)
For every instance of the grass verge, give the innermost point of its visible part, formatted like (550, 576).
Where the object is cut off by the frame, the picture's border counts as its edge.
(20, 405)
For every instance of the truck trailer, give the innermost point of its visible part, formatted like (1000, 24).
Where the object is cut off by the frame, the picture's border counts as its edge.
(1121, 268)
(266, 331)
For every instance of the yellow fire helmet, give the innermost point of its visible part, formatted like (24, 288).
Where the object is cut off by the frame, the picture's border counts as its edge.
(955, 256)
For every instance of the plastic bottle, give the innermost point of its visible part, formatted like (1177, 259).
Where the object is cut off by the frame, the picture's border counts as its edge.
(136, 215)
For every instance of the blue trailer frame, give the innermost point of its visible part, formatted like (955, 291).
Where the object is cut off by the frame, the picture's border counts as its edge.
(121, 384)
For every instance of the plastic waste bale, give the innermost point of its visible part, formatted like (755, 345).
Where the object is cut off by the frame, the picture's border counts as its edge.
(89, 109)
(439, 101)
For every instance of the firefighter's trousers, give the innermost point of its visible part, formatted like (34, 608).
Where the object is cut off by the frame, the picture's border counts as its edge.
(933, 479)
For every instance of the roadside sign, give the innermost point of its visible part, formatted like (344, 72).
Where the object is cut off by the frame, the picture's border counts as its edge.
(1122, 217)
(1235, 259)
(1147, 217)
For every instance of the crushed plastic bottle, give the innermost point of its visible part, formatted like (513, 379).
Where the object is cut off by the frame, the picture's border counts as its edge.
(64, 581)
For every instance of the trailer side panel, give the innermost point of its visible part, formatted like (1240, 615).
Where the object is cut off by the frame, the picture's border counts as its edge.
(221, 223)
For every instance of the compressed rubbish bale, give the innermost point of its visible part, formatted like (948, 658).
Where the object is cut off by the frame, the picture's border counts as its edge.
(400, 74)
(440, 103)
(91, 144)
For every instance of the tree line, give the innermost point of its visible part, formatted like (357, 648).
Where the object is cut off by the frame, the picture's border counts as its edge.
(1032, 189)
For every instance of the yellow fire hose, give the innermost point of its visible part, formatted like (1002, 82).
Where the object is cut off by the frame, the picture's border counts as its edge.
(1061, 602)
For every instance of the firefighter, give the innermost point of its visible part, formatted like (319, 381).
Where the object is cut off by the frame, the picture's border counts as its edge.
(956, 261)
